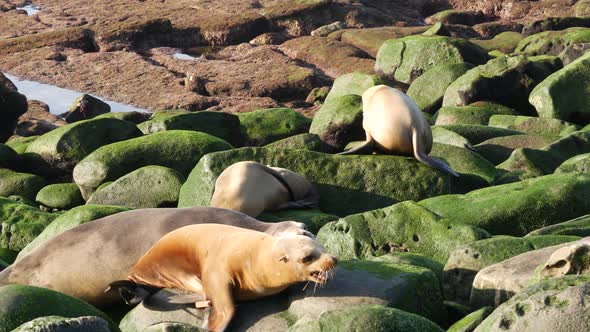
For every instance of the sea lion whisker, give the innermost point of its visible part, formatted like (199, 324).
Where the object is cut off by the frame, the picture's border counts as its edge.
(306, 284)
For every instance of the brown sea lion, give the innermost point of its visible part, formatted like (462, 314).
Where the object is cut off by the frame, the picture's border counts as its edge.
(226, 263)
(394, 124)
(251, 187)
(82, 261)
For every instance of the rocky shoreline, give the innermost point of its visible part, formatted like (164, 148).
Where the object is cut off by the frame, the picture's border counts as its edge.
(505, 86)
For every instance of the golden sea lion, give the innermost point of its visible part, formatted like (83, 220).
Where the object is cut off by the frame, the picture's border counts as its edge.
(225, 263)
(394, 124)
(251, 187)
(82, 261)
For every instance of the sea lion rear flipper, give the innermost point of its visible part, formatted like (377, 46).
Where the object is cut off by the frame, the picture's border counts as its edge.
(131, 292)
(366, 148)
(422, 157)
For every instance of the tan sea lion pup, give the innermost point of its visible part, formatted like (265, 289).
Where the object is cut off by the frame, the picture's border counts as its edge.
(252, 188)
(394, 124)
(226, 263)
(82, 261)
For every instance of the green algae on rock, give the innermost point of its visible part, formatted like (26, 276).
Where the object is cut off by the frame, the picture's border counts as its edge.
(547, 306)
(565, 94)
(579, 163)
(518, 208)
(471, 321)
(405, 227)
(466, 261)
(504, 42)
(353, 84)
(407, 58)
(578, 227)
(506, 80)
(474, 114)
(22, 184)
(476, 172)
(60, 196)
(429, 88)
(533, 125)
(66, 146)
(314, 219)
(347, 184)
(308, 141)
(476, 134)
(369, 318)
(445, 136)
(145, 187)
(58, 323)
(20, 304)
(21, 223)
(70, 219)
(223, 125)
(498, 149)
(339, 121)
(176, 149)
(20, 144)
(552, 42)
(265, 126)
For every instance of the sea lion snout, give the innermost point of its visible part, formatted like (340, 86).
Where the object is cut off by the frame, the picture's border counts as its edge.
(322, 269)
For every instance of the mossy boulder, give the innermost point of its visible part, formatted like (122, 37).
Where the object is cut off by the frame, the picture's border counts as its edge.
(565, 94)
(533, 125)
(308, 141)
(223, 125)
(546, 160)
(497, 150)
(12, 105)
(407, 58)
(429, 88)
(21, 223)
(505, 80)
(505, 42)
(445, 136)
(551, 305)
(476, 134)
(314, 219)
(407, 287)
(405, 227)
(146, 187)
(518, 208)
(265, 126)
(176, 149)
(347, 184)
(20, 304)
(20, 144)
(553, 42)
(339, 121)
(466, 261)
(86, 107)
(579, 163)
(471, 321)
(455, 16)
(9, 158)
(131, 116)
(369, 318)
(578, 227)
(353, 84)
(70, 219)
(22, 184)
(63, 324)
(474, 114)
(66, 146)
(371, 39)
(476, 172)
(60, 196)
(413, 259)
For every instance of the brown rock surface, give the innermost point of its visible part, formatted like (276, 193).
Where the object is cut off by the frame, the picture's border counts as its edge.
(514, 10)
(37, 120)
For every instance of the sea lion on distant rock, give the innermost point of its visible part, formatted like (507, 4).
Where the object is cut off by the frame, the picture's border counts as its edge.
(226, 263)
(394, 124)
(252, 188)
(82, 261)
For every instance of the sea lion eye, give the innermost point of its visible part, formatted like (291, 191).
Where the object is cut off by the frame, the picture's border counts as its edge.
(307, 259)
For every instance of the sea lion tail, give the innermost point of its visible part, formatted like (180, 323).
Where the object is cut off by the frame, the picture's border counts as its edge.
(424, 158)
(4, 274)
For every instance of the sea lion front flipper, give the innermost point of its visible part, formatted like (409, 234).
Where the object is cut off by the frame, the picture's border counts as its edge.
(367, 147)
(219, 291)
(131, 292)
(424, 158)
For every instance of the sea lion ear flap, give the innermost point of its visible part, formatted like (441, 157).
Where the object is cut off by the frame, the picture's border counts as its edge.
(284, 258)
